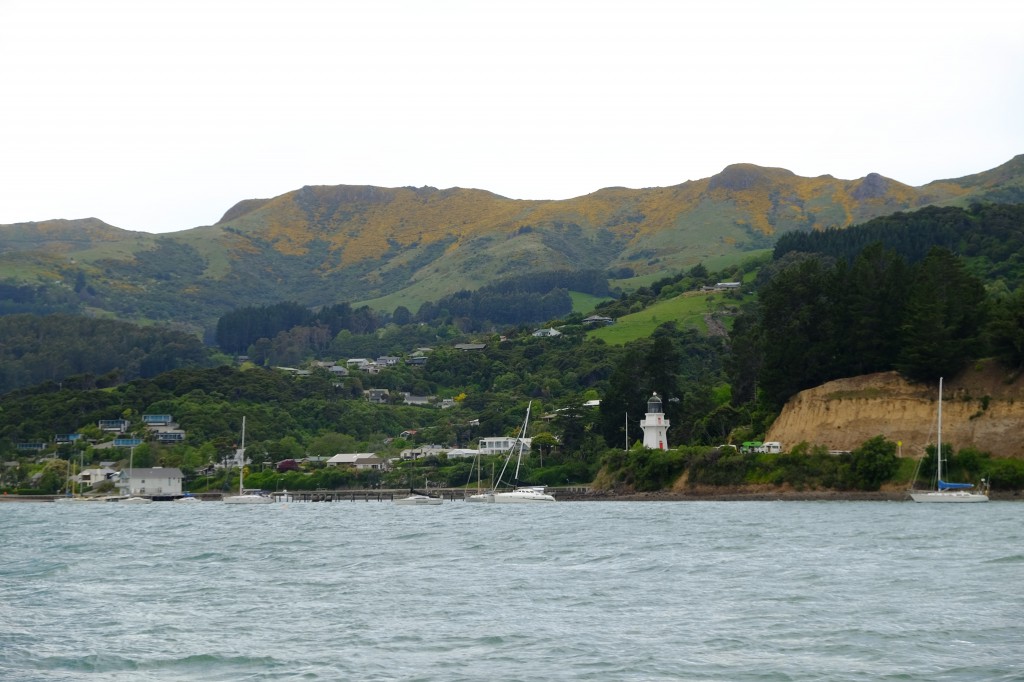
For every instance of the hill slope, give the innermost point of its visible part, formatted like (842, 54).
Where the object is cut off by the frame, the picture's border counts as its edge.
(321, 245)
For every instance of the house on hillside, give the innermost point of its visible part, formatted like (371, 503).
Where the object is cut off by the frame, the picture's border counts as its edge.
(378, 396)
(357, 460)
(113, 425)
(64, 438)
(546, 333)
(723, 286)
(164, 428)
(497, 445)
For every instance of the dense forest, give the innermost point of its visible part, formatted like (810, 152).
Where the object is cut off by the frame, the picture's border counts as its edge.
(87, 352)
(513, 301)
(40, 300)
(892, 294)
(823, 310)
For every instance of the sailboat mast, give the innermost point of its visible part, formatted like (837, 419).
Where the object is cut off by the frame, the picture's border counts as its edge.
(241, 464)
(522, 435)
(938, 473)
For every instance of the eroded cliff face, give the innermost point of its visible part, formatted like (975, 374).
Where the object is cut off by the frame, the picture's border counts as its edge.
(982, 408)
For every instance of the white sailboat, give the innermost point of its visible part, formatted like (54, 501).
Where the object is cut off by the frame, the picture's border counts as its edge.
(946, 492)
(520, 494)
(418, 498)
(480, 495)
(246, 496)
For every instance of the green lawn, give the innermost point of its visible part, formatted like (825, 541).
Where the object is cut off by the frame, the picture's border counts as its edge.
(585, 303)
(687, 310)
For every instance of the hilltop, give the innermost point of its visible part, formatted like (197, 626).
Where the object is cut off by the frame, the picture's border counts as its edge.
(405, 246)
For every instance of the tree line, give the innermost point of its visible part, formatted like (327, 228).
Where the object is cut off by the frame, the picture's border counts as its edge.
(89, 352)
(257, 330)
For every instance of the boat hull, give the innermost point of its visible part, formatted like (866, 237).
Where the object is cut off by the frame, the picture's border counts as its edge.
(523, 496)
(948, 497)
(249, 499)
(418, 500)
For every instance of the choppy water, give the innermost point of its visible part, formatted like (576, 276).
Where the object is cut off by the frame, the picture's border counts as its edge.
(570, 591)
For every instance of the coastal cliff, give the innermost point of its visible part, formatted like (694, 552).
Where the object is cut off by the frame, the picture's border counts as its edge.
(982, 408)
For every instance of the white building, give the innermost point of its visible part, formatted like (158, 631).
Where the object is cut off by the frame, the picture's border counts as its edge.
(655, 425)
(154, 482)
(498, 445)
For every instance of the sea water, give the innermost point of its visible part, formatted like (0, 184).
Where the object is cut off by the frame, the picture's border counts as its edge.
(565, 591)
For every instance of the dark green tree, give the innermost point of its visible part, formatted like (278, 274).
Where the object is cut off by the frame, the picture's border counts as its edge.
(944, 318)
(1006, 329)
(798, 317)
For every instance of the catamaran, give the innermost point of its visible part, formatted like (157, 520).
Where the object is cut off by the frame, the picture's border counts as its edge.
(520, 494)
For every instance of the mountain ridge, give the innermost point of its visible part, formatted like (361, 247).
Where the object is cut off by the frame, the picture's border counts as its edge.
(323, 244)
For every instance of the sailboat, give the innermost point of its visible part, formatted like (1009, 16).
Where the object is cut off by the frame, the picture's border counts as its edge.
(944, 491)
(71, 495)
(246, 496)
(417, 498)
(520, 494)
(480, 495)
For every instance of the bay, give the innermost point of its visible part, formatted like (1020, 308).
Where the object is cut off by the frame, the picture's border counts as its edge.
(566, 591)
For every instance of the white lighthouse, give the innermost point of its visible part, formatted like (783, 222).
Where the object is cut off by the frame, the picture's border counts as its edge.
(655, 425)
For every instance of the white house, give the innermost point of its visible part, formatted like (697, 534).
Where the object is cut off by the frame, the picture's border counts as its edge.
(496, 445)
(93, 476)
(547, 332)
(152, 482)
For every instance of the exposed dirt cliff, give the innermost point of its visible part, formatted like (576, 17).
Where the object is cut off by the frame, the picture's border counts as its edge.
(983, 408)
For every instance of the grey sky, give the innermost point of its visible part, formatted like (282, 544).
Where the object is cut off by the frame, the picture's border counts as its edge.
(159, 116)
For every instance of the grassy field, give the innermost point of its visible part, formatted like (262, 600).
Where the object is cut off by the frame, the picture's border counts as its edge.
(585, 303)
(687, 310)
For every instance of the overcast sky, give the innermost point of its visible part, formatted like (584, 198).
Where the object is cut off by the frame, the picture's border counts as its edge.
(159, 116)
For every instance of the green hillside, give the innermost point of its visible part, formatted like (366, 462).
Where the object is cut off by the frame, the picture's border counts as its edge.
(387, 247)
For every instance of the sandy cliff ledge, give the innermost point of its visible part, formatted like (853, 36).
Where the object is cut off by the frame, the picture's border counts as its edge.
(981, 408)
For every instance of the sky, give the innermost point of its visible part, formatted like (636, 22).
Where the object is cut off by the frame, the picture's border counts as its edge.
(159, 116)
